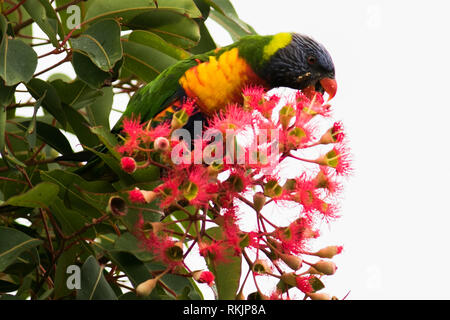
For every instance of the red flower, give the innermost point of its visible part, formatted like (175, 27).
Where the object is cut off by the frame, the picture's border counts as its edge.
(198, 178)
(231, 230)
(169, 191)
(161, 130)
(294, 237)
(307, 109)
(128, 164)
(233, 117)
(325, 180)
(132, 127)
(206, 277)
(189, 106)
(303, 284)
(339, 159)
(214, 250)
(338, 131)
(254, 99)
(136, 196)
(134, 132)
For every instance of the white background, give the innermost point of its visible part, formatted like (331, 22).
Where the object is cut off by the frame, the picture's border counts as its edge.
(392, 68)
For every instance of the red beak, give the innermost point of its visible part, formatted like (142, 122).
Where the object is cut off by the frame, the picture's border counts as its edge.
(330, 87)
(328, 84)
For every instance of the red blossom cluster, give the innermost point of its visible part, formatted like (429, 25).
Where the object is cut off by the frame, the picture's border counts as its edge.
(244, 176)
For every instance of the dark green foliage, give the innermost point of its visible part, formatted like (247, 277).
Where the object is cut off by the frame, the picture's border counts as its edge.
(51, 218)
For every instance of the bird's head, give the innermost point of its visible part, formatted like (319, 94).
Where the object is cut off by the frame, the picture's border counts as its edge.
(302, 64)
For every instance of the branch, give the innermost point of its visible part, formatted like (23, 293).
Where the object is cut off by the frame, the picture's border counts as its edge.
(14, 8)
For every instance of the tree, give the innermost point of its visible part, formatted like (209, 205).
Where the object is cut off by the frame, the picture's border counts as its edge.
(63, 237)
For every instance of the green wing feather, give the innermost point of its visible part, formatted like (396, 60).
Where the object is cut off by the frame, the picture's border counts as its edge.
(165, 88)
(161, 92)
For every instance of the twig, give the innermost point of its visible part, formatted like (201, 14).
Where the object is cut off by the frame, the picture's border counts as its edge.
(66, 59)
(14, 8)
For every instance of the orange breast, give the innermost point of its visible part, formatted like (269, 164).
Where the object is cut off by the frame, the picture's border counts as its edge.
(219, 81)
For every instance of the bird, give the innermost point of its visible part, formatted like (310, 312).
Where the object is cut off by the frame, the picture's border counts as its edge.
(217, 78)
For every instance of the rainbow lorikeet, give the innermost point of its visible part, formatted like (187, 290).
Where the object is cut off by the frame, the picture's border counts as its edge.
(217, 78)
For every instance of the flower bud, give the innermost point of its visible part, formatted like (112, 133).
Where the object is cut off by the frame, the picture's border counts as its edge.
(149, 196)
(292, 261)
(203, 277)
(214, 168)
(145, 288)
(273, 189)
(136, 196)
(153, 227)
(328, 252)
(175, 252)
(296, 137)
(289, 278)
(128, 164)
(179, 119)
(261, 267)
(334, 134)
(319, 296)
(286, 114)
(259, 200)
(117, 206)
(325, 267)
(161, 144)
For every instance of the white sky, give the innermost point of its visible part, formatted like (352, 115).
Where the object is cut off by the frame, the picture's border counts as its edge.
(392, 69)
(392, 66)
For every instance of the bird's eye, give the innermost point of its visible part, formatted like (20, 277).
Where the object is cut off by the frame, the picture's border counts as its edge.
(312, 60)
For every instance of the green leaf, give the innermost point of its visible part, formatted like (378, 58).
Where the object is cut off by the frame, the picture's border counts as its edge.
(2, 128)
(127, 10)
(114, 165)
(31, 130)
(152, 40)
(108, 139)
(145, 62)
(224, 7)
(80, 126)
(50, 135)
(147, 175)
(206, 41)
(71, 220)
(227, 274)
(98, 111)
(79, 194)
(18, 16)
(51, 103)
(75, 93)
(18, 61)
(173, 27)
(6, 93)
(177, 283)
(135, 269)
(45, 16)
(93, 284)
(129, 243)
(12, 244)
(235, 27)
(88, 72)
(103, 48)
(40, 196)
(316, 284)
